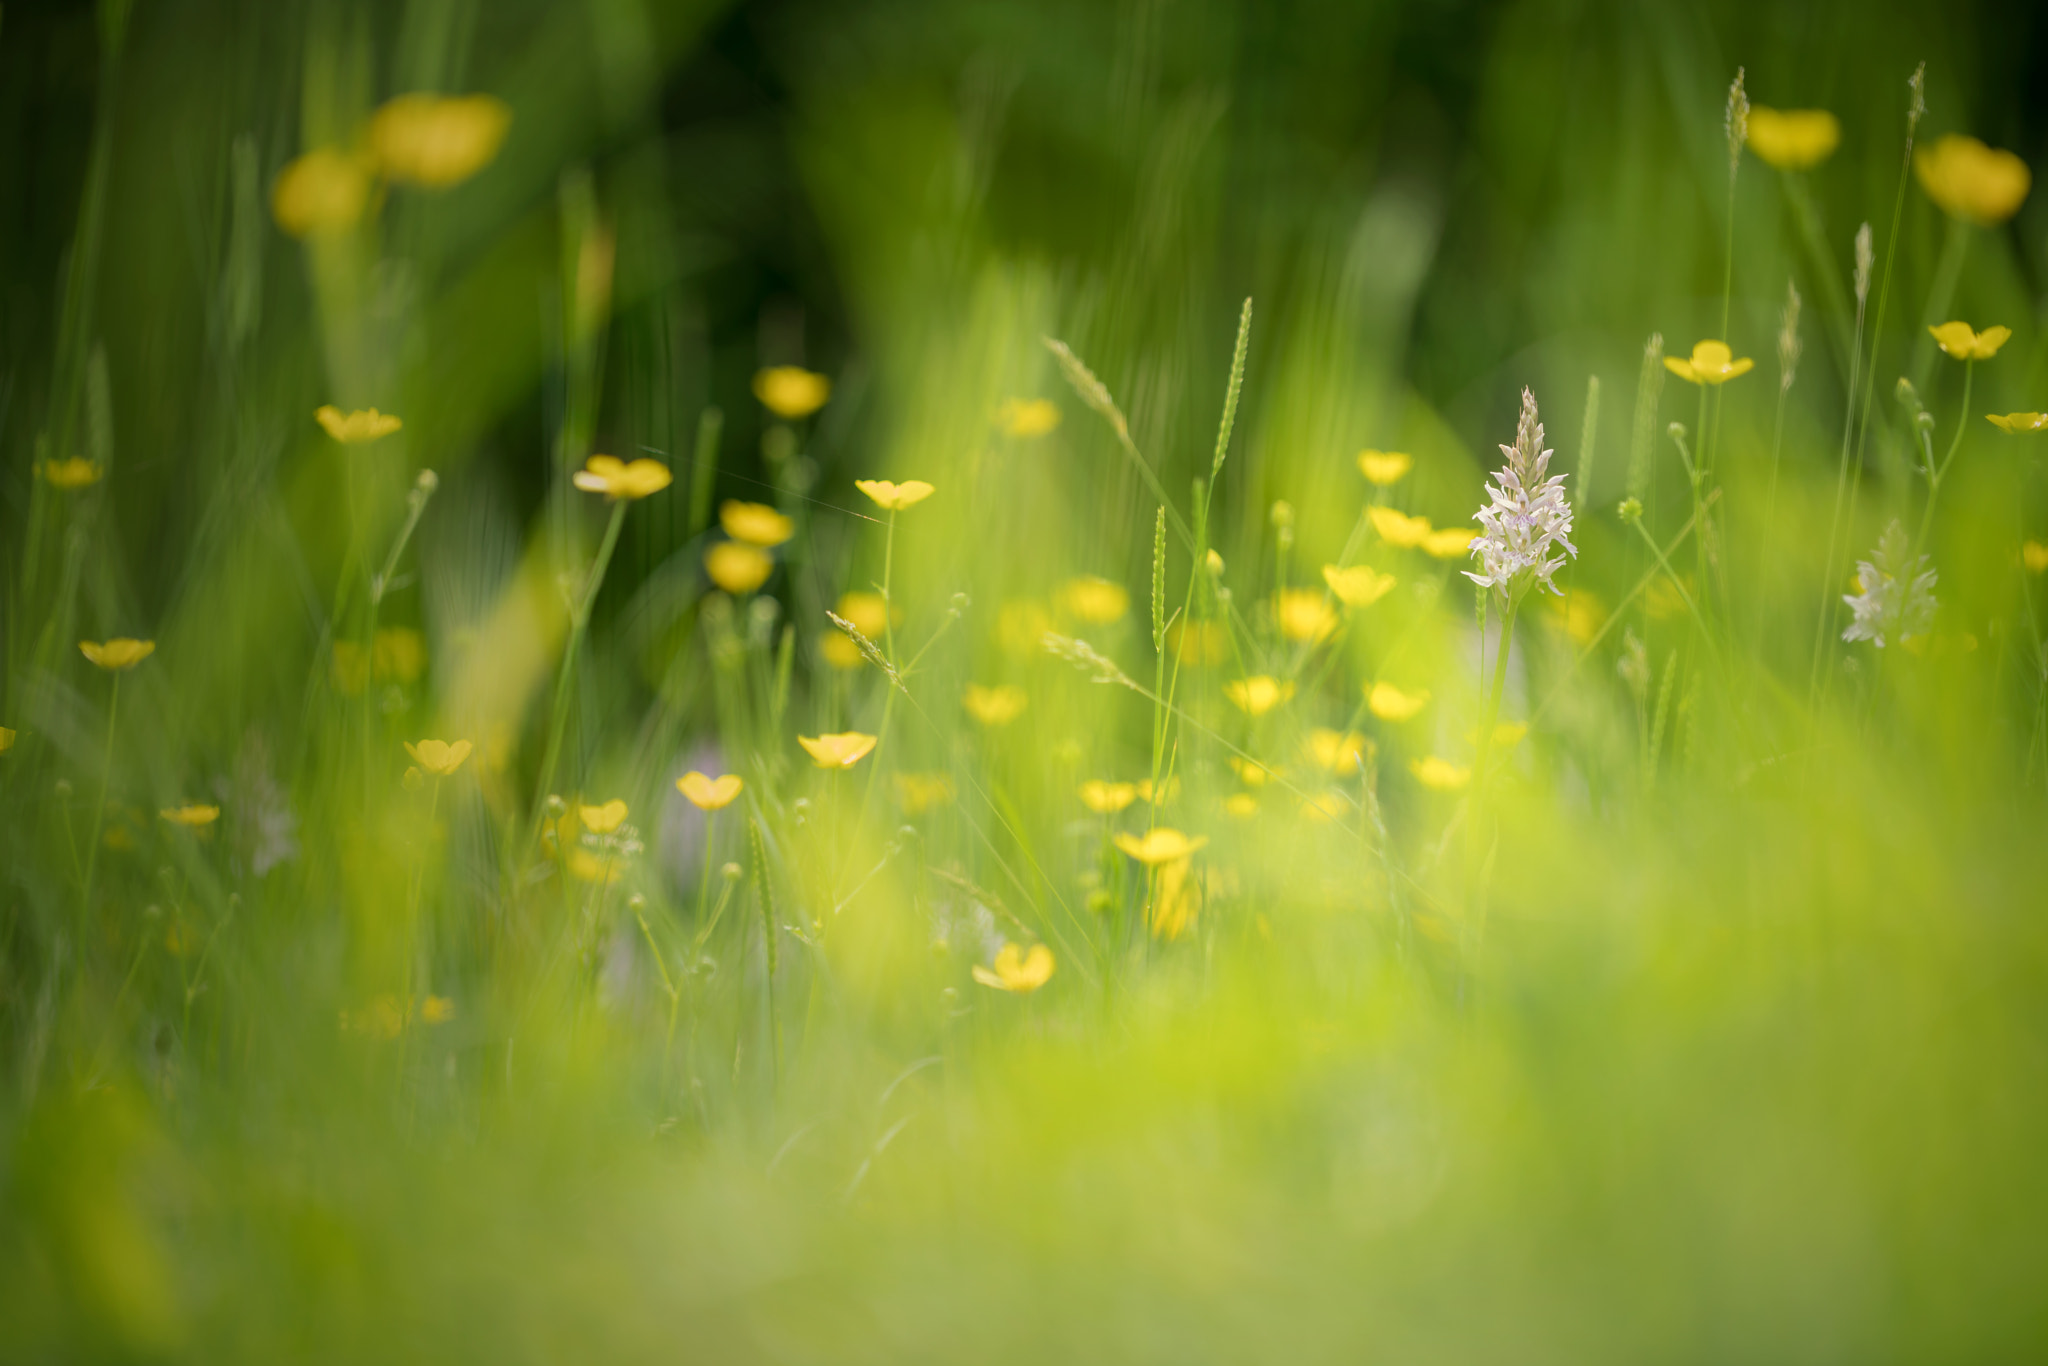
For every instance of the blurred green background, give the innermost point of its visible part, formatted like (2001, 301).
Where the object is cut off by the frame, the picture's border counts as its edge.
(1745, 1066)
(1466, 197)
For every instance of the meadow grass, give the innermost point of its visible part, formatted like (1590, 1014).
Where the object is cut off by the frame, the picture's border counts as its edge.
(1049, 854)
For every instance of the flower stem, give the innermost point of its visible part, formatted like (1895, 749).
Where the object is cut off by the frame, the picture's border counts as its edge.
(1493, 694)
(419, 883)
(1821, 266)
(1696, 476)
(416, 507)
(888, 572)
(412, 928)
(1935, 474)
(1763, 539)
(1884, 290)
(1718, 561)
(1490, 717)
(1696, 467)
(2037, 672)
(1941, 293)
(668, 985)
(1728, 260)
(1825, 614)
(344, 581)
(704, 878)
(99, 812)
(1684, 596)
(867, 794)
(579, 620)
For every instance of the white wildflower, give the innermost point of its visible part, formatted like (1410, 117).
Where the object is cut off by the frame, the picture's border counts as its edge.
(1527, 518)
(1895, 592)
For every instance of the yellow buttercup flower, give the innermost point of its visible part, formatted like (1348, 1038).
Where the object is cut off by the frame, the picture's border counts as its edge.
(1712, 363)
(1198, 643)
(1107, 798)
(618, 480)
(1094, 600)
(1028, 417)
(1168, 789)
(1304, 614)
(1664, 598)
(1259, 694)
(1506, 734)
(76, 472)
(1964, 342)
(790, 391)
(437, 1010)
(997, 706)
(1160, 844)
(756, 524)
(1016, 970)
(399, 654)
(383, 1018)
(738, 567)
(1793, 139)
(842, 750)
(918, 793)
(1242, 805)
(870, 615)
(2020, 424)
(1338, 752)
(1440, 775)
(707, 793)
(586, 866)
(438, 140)
(1250, 772)
(439, 757)
(1176, 898)
(1359, 586)
(2033, 555)
(839, 651)
(1583, 615)
(1451, 543)
(604, 819)
(192, 816)
(7, 738)
(354, 428)
(118, 655)
(869, 612)
(1390, 703)
(1397, 529)
(321, 194)
(1384, 467)
(1970, 181)
(1325, 807)
(893, 496)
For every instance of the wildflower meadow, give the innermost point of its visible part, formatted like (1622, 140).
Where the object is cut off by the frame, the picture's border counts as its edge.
(906, 681)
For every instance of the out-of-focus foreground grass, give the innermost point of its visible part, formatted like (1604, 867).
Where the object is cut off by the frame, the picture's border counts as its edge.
(1167, 925)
